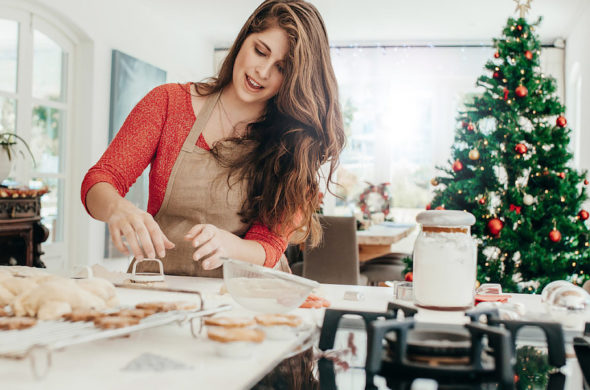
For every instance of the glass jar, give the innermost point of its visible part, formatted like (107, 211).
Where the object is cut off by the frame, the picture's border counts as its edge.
(445, 261)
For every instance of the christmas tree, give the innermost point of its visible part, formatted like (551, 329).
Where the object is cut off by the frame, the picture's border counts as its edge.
(511, 168)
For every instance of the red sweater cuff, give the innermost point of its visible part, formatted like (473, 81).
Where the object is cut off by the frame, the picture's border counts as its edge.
(274, 245)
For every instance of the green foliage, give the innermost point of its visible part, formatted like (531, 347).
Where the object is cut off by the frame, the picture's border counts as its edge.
(532, 368)
(8, 141)
(498, 123)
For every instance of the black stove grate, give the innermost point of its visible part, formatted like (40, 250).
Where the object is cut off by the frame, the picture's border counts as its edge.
(490, 348)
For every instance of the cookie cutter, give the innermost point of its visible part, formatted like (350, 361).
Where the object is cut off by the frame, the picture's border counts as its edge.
(143, 277)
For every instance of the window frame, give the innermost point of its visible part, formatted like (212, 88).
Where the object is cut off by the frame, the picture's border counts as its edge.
(55, 253)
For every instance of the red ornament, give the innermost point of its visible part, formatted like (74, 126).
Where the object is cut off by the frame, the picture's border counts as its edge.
(482, 200)
(439, 207)
(520, 148)
(428, 206)
(561, 175)
(586, 182)
(555, 235)
(409, 277)
(583, 214)
(496, 55)
(506, 93)
(470, 127)
(528, 55)
(515, 208)
(495, 226)
(496, 75)
(561, 121)
(457, 166)
(519, 27)
(521, 91)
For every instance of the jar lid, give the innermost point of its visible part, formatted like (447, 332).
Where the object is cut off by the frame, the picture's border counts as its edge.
(445, 218)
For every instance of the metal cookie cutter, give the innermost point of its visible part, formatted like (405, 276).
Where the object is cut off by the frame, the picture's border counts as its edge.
(143, 277)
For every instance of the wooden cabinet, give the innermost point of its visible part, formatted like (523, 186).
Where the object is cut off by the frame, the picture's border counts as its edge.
(21, 231)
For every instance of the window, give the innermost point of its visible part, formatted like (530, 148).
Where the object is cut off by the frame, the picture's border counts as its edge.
(35, 102)
(400, 106)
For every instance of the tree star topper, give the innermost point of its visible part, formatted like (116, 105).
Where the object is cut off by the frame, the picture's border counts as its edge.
(523, 6)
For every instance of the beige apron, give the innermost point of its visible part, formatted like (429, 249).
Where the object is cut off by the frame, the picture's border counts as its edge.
(198, 193)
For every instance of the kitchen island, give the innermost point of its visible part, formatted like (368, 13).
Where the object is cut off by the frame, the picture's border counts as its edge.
(170, 357)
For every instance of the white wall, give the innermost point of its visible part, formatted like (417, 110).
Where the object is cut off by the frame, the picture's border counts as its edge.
(577, 74)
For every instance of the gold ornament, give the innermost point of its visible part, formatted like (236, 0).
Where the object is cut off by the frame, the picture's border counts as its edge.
(523, 6)
(474, 154)
(434, 182)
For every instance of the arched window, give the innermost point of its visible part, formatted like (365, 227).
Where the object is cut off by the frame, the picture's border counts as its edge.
(36, 62)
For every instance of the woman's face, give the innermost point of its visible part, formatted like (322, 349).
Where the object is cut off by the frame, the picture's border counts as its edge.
(258, 68)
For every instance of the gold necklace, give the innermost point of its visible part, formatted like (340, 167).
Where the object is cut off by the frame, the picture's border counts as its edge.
(233, 127)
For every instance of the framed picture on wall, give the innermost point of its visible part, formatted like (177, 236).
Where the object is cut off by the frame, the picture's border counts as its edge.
(131, 80)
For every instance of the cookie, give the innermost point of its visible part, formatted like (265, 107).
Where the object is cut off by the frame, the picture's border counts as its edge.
(16, 323)
(228, 335)
(133, 313)
(157, 306)
(186, 306)
(4, 313)
(229, 322)
(83, 315)
(278, 319)
(115, 322)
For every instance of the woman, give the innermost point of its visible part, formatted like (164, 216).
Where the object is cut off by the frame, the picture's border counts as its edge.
(235, 160)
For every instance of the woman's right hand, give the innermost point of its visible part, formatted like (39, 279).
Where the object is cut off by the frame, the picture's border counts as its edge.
(142, 233)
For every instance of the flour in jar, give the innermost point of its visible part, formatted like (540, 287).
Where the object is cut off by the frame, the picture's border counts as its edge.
(444, 270)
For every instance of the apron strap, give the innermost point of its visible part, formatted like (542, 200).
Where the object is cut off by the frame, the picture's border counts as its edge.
(202, 119)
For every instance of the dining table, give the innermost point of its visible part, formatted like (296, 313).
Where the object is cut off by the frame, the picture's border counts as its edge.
(377, 239)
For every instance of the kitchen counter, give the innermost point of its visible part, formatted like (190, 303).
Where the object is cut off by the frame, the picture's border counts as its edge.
(169, 357)
(117, 363)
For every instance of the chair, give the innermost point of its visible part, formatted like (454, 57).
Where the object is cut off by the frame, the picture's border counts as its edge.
(335, 260)
(385, 268)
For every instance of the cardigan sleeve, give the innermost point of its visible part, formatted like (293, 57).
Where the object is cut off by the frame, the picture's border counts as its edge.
(134, 146)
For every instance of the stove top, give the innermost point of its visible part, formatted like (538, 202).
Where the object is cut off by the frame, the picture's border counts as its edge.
(484, 353)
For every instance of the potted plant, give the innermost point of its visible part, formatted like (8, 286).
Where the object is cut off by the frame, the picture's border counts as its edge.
(8, 149)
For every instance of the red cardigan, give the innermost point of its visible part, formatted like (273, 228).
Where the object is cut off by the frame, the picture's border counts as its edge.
(153, 133)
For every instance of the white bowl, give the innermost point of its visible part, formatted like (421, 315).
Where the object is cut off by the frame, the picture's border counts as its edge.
(263, 289)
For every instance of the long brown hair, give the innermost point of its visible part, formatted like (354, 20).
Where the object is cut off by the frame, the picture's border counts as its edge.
(300, 130)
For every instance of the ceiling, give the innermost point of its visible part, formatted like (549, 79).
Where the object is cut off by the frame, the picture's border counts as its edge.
(385, 21)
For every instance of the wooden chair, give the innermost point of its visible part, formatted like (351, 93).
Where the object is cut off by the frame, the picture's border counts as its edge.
(335, 260)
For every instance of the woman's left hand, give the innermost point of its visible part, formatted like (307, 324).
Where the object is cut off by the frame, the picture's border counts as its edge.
(208, 239)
